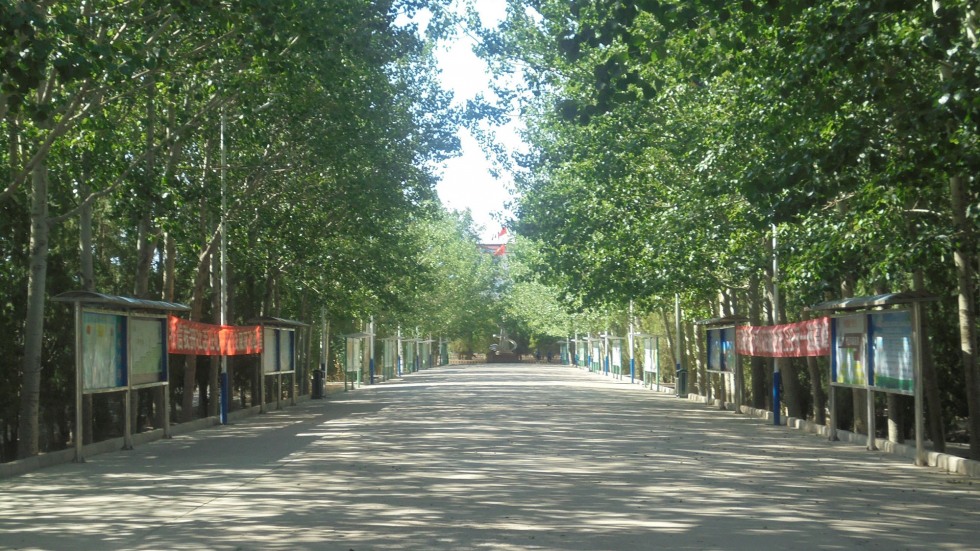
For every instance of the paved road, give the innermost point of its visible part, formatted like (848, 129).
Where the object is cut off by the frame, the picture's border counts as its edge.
(498, 458)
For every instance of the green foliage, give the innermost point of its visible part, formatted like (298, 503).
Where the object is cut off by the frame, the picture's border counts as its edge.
(333, 120)
(668, 137)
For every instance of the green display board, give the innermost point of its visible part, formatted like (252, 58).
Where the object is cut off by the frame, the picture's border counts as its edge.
(714, 350)
(287, 358)
(848, 357)
(891, 354)
(874, 350)
(277, 350)
(103, 351)
(147, 350)
(721, 349)
(651, 361)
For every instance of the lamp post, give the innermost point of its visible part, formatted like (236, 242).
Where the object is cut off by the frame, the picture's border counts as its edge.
(223, 316)
(630, 344)
(776, 375)
(680, 375)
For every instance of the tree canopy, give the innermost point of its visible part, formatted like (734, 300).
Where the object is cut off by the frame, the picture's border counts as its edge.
(670, 139)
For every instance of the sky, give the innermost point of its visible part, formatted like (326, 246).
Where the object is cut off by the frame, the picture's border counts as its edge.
(466, 181)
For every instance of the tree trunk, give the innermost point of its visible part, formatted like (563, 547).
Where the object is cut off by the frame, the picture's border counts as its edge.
(303, 369)
(145, 251)
(197, 307)
(215, 363)
(30, 393)
(169, 263)
(169, 267)
(817, 394)
(190, 369)
(671, 342)
(859, 398)
(793, 392)
(696, 368)
(197, 300)
(964, 246)
(87, 266)
(757, 365)
(930, 382)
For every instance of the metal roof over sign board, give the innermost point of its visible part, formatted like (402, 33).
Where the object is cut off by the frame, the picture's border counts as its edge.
(92, 298)
(865, 303)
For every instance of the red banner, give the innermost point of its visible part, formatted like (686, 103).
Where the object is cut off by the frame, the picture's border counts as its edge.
(791, 340)
(191, 337)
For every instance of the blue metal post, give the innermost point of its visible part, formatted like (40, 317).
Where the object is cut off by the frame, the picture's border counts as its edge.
(776, 375)
(223, 416)
(632, 370)
(776, 380)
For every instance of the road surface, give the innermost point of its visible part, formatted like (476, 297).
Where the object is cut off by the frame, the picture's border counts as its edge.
(495, 457)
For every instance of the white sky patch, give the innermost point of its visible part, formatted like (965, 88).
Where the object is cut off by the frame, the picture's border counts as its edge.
(467, 182)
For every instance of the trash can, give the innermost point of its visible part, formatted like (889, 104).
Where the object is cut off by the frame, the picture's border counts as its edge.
(681, 386)
(318, 378)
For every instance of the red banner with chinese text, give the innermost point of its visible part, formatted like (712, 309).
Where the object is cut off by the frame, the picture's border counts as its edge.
(191, 337)
(791, 340)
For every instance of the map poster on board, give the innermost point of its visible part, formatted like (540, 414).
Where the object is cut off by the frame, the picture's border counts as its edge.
(890, 335)
(103, 351)
(848, 358)
(721, 350)
(617, 353)
(715, 350)
(270, 358)
(650, 359)
(728, 348)
(147, 349)
(286, 350)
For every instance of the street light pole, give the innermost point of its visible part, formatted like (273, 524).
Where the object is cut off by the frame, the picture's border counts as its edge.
(223, 320)
(776, 375)
(630, 344)
(680, 382)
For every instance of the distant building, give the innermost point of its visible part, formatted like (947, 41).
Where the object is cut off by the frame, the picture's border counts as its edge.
(496, 249)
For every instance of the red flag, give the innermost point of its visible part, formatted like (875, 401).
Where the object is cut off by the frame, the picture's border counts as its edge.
(501, 250)
(503, 232)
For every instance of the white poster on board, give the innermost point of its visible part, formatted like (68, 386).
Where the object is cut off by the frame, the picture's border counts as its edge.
(891, 346)
(147, 350)
(269, 354)
(103, 351)
(849, 354)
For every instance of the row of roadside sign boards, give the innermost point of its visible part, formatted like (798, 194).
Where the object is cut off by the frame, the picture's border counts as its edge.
(127, 350)
(868, 350)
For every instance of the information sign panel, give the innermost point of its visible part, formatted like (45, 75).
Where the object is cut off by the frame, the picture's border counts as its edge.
(721, 349)
(728, 349)
(651, 363)
(103, 351)
(147, 345)
(270, 355)
(715, 350)
(285, 350)
(890, 336)
(848, 364)
(354, 357)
